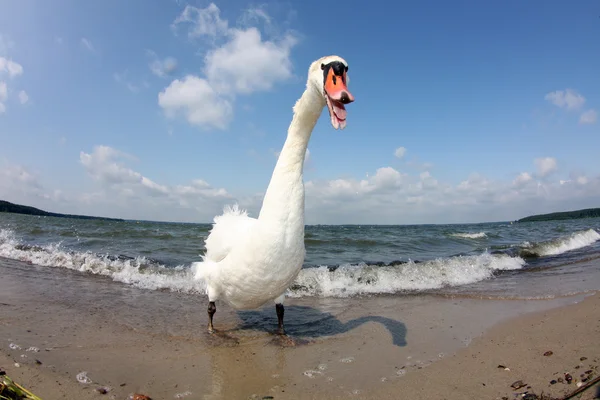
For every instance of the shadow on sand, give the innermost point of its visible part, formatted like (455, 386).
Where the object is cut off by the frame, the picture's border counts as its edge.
(309, 322)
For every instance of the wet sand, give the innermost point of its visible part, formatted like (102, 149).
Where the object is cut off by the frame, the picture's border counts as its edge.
(152, 342)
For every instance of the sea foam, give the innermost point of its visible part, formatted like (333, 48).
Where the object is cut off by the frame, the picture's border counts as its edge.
(561, 245)
(465, 235)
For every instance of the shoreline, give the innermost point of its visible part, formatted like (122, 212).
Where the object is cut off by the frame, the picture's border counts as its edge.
(375, 347)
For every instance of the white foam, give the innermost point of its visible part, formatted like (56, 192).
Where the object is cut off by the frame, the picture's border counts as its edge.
(575, 241)
(349, 280)
(468, 235)
(139, 271)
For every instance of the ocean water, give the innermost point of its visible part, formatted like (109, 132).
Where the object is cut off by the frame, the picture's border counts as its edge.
(535, 260)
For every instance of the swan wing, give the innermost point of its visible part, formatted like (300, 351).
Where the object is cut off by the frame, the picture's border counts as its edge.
(228, 229)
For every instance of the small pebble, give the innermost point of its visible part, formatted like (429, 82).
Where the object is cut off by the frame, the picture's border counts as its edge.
(579, 384)
(83, 378)
(568, 378)
(17, 365)
(553, 382)
(583, 359)
(518, 385)
(102, 390)
(548, 353)
(530, 396)
(38, 362)
(138, 396)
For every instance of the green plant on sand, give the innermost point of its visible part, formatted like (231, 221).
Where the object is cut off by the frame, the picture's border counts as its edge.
(9, 390)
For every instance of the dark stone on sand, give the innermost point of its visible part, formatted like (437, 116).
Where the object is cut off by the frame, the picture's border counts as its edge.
(501, 366)
(568, 378)
(553, 382)
(102, 390)
(268, 397)
(518, 385)
(38, 362)
(583, 359)
(589, 371)
(548, 353)
(530, 396)
(2, 372)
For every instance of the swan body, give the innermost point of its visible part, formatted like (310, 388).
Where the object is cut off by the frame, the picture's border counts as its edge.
(250, 261)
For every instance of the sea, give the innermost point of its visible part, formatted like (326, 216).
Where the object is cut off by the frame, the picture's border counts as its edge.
(503, 260)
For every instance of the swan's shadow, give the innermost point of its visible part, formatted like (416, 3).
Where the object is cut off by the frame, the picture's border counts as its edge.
(309, 322)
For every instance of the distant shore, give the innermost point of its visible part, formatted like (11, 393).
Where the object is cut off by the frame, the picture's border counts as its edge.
(6, 206)
(558, 216)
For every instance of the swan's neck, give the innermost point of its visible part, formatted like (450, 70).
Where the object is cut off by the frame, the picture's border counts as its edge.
(284, 200)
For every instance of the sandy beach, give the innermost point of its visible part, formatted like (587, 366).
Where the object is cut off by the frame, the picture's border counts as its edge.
(130, 340)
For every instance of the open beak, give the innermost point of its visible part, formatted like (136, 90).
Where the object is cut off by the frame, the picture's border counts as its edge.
(337, 94)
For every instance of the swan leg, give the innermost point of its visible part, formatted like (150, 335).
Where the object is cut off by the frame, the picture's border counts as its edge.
(212, 309)
(280, 311)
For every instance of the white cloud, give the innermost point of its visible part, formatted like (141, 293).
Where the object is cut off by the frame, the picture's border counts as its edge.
(545, 166)
(244, 63)
(588, 117)
(400, 152)
(569, 99)
(3, 97)
(196, 99)
(87, 44)
(247, 63)
(120, 185)
(3, 91)
(202, 21)
(522, 179)
(163, 68)
(23, 97)
(9, 66)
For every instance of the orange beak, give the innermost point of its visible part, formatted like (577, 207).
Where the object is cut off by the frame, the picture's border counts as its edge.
(336, 89)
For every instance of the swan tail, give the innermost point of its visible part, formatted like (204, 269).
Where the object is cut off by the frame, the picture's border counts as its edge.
(229, 212)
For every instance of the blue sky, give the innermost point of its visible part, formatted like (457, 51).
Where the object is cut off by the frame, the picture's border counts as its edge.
(168, 110)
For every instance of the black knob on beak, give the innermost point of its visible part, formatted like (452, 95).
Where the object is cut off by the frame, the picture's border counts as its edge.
(345, 99)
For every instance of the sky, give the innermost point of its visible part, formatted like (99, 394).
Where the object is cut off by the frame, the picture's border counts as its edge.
(169, 110)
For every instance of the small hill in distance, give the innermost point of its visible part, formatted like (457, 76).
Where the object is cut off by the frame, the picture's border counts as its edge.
(586, 213)
(9, 207)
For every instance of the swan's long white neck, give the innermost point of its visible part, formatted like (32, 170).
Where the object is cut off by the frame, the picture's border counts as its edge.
(284, 200)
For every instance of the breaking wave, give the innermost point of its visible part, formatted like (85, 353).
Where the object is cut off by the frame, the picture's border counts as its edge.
(350, 280)
(478, 235)
(561, 245)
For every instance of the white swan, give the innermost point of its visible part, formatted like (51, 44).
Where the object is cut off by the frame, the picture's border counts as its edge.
(249, 261)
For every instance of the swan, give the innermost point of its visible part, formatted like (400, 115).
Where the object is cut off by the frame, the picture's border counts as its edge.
(251, 261)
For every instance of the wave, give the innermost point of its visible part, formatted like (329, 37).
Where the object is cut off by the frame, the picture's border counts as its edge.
(350, 280)
(343, 281)
(322, 281)
(466, 235)
(561, 245)
(139, 271)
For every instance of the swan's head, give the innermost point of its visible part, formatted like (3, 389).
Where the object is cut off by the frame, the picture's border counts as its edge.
(330, 76)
